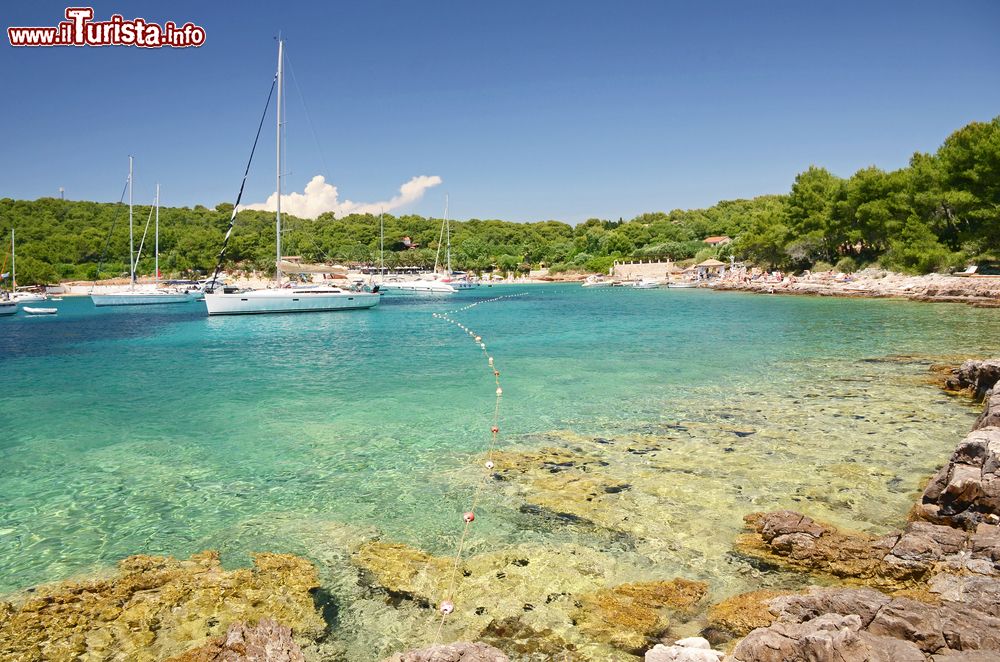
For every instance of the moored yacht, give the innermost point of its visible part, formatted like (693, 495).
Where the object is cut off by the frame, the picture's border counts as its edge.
(287, 299)
(141, 297)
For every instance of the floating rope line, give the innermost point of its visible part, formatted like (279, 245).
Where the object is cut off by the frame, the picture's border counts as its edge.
(446, 606)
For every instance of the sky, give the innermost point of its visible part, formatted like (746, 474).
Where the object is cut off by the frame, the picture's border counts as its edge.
(516, 110)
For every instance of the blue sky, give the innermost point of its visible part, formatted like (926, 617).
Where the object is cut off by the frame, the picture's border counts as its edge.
(526, 110)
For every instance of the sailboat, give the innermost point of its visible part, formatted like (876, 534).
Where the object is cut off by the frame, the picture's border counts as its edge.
(131, 296)
(284, 298)
(462, 282)
(7, 305)
(23, 296)
(436, 283)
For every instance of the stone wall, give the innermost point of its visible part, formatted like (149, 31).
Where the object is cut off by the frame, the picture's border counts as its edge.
(634, 270)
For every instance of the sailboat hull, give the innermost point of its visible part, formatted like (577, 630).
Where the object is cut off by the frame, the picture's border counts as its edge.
(260, 302)
(139, 298)
(7, 308)
(416, 287)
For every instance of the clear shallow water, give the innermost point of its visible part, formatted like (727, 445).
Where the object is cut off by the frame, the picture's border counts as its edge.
(163, 431)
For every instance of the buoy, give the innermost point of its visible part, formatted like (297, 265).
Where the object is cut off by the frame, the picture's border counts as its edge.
(494, 429)
(483, 345)
(491, 361)
(499, 391)
(489, 464)
(469, 517)
(479, 339)
(447, 607)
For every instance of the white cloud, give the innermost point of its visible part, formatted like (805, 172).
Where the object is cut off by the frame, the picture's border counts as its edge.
(320, 197)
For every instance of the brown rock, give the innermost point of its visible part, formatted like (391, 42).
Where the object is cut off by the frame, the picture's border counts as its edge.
(155, 607)
(742, 613)
(630, 615)
(267, 641)
(828, 637)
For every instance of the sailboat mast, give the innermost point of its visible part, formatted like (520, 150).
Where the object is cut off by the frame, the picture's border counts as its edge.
(381, 244)
(13, 264)
(448, 230)
(131, 245)
(277, 216)
(156, 253)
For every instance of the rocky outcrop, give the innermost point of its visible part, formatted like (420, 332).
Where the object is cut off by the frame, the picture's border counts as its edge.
(156, 607)
(457, 652)
(974, 377)
(873, 283)
(267, 641)
(691, 649)
(943, 567)
(991, 411)
(862, 624)
(740, 614)
(966, 491)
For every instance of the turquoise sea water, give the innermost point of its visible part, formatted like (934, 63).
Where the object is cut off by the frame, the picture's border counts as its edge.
(159, 430)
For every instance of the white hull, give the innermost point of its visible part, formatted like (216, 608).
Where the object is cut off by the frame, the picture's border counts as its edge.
(28, 297)
(297, 300)
(7, 308)
(681, 285)
(463, 285)
(417, 287)
(40, 311)
(140, 298)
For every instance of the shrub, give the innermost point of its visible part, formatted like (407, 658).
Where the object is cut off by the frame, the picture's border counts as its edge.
(822, 266)
(847, 265)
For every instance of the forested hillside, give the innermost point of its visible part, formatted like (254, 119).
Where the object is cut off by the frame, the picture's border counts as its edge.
(939, 212)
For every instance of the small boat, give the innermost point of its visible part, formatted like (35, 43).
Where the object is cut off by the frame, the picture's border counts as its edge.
(645, 284)
(8, 307)
(56, 299)
(597, 281)
(680, 284)
(40, 311)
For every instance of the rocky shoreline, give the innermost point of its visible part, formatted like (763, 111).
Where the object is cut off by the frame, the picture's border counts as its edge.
(982, 291)
(930, 591)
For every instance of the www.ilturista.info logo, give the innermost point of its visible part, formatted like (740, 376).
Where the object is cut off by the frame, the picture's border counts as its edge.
(79, 29)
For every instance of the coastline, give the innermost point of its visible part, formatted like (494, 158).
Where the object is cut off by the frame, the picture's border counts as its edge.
(979, 291)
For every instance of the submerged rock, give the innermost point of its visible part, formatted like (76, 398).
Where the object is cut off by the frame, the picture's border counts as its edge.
(267, 641)
(738, 615)
(154, 607)
(628, 616)
(458, 652)
(535, 602)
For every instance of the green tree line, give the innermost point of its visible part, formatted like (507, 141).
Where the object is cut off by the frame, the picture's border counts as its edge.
(939, 212)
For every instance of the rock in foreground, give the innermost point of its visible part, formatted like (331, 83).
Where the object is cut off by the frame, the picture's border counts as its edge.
(267, 641)
(156, 607)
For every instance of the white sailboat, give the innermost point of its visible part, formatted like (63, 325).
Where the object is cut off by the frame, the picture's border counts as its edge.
(284, 299)
(143, 297)
(7, 305)
(22, 296)
(434, 283)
